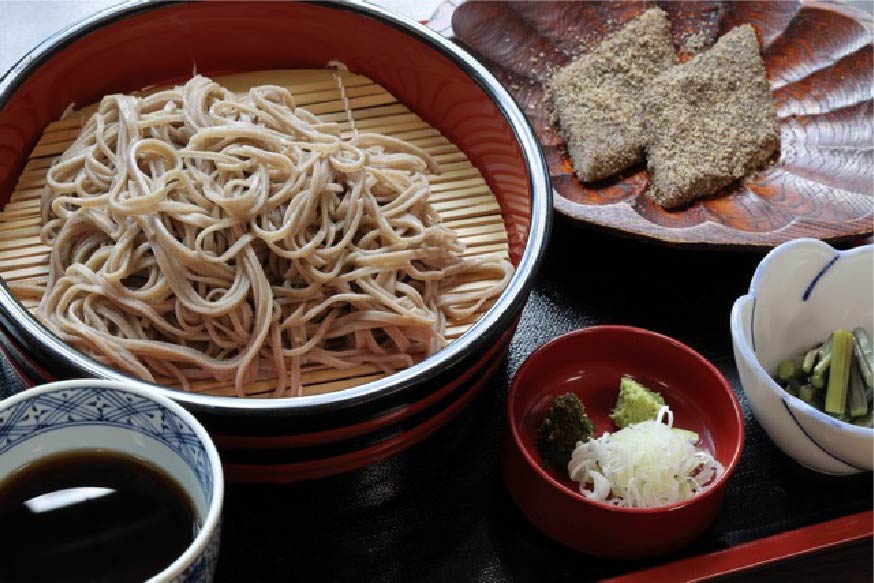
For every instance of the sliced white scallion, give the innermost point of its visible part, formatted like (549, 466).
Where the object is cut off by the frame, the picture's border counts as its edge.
(645, 465)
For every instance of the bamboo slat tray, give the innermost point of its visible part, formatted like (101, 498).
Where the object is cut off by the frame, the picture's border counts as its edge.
(820, 62)
(460, 195)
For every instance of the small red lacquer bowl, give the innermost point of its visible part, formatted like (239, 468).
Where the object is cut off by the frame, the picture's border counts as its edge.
(590, 363)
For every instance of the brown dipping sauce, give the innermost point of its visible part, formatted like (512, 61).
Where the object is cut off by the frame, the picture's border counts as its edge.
(92, 515)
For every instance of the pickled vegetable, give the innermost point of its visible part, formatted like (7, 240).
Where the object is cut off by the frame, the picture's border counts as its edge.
(834, 377)
(839, 373)
(857, 402)
(809, 360)
(789, 369)
(864, 356)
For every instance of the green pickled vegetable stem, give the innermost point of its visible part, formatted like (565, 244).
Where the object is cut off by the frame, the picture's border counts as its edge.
(864, 356)
(789, 369)
(809, 360)
(826, 347)
(807, 393)
(839, 375)
(792, 387)
(820, 370)
(857, 402)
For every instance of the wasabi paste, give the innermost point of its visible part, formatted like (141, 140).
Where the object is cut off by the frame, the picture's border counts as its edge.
(635, 404)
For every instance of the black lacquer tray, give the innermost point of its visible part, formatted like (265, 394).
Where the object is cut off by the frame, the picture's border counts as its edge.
(440, 512)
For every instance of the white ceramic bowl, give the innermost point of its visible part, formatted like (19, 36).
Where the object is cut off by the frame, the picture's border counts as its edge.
(801, 292)
(109, 415)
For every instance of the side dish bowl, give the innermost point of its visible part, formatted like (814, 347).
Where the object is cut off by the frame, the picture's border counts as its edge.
(590, 363)
(801, 292)
(102, 415)
(142, 43)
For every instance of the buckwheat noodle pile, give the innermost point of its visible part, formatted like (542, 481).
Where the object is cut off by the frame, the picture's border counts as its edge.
(200, 234)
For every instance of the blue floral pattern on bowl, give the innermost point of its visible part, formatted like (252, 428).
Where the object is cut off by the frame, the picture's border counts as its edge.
(62, 408)
(801, 292)
(78, 405)
(203, 569)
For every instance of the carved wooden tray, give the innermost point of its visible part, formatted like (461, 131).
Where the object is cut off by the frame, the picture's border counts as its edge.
(820, 62)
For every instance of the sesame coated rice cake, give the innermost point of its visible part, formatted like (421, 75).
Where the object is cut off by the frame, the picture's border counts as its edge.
(596, 98)
(709, 121)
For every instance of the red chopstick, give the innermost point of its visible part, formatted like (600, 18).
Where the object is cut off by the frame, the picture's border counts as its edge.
(759, 552)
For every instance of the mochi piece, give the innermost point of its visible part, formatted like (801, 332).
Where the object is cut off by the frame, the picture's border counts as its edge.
(709, 121)
(596, 99)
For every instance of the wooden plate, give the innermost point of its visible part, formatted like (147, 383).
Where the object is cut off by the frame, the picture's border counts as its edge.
(820, 62)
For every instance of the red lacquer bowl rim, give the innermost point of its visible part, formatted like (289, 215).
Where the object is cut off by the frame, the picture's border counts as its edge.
(519, 446)
(498, 318)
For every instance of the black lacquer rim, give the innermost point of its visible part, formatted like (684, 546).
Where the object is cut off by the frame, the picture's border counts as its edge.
(48, 349)
(260, 455)
(320, 452)
(323, 420)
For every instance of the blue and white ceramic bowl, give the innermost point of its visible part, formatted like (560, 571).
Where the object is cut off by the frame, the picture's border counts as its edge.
(801, 292)
(108, 415)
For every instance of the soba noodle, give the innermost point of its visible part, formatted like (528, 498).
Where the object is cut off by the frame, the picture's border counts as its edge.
(197, 233)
